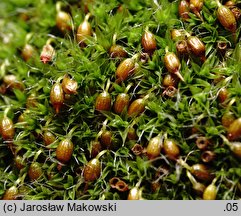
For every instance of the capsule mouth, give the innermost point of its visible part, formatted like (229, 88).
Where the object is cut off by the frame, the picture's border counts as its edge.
(144, 57)
(137, 149)
(207, 156)
(170, 91)
(181, 46)
(236, 11)
(118, 184)
(202, 143)
(222, 46)
(121, 186)
(113, 181)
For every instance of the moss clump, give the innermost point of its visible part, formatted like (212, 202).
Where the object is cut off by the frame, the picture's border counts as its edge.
(39, 48)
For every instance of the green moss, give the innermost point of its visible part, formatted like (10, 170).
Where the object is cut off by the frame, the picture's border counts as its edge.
(194, 110)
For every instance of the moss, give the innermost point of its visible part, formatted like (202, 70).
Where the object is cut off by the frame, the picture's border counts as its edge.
(194, 110)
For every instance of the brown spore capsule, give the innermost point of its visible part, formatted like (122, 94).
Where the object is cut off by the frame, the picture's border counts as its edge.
(106, 139)
(64, 150)
(47, 53)
(69, 85)
(12, 82)
(35, 171)
(170, 80)
(154, 147)
(148, 41)
(210, 192)
(117, 51)
(201, 172)
(134, 194)
(235, 147)
(19, 162)
(171, 149)
(234, 130)
(227, 119)
(172, 63)
(48, 138)
(121, 103)
(57, 96)
(63, 21)
(183, 9)
(31, 101)
(7, 130)
(131, 135)
(84, 30)
(177, 34)
(136, 107)
(11, 193)
(223, 95)
(27, 52)
(196, 7)
(22, 117)
(196, 46)
(125, 69)
(103, 102)
(92, 170)
(226, 18)
(95, 148)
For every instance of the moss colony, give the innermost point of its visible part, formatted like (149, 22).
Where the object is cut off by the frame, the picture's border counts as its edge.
(120, 99)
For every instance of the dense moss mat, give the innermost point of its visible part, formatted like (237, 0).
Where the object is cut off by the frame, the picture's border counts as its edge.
(191, 110)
